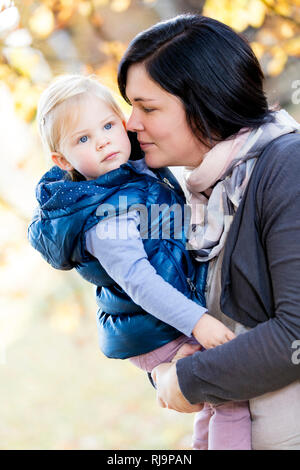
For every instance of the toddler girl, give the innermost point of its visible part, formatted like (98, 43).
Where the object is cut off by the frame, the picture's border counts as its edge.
(122, 226)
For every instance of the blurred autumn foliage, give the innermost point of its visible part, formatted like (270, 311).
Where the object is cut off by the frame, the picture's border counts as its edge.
(90, 36)
(43, 38)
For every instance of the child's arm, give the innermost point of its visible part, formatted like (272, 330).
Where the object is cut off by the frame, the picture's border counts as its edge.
(126, 261)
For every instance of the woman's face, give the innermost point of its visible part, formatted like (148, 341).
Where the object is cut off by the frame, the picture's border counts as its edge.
(159, 119)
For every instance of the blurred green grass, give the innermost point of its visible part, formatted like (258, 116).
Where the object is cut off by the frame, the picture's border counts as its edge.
(59, 392)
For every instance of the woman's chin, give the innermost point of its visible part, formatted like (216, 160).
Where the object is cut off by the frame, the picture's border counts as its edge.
(152, 159)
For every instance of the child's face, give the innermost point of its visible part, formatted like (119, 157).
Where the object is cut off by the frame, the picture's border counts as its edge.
(98, 143)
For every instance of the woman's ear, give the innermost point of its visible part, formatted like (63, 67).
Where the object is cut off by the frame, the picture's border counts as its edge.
(61, 161)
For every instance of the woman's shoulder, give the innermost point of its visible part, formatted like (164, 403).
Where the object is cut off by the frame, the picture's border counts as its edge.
(280, 160)
(285, 148)
(276, 181)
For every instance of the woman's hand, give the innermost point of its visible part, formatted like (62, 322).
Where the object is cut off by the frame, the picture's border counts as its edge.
(167, 387)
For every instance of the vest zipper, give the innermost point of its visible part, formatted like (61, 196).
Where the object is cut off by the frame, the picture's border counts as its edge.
(186, 280)
(165, 180)
(191, 284)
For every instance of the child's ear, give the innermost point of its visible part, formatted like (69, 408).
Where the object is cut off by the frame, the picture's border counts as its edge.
(61, 161)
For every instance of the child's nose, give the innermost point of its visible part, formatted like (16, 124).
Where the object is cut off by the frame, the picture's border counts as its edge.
(101, 143)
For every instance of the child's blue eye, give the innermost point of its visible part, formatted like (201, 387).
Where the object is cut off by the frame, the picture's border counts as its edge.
(83, 139)
(108, 126)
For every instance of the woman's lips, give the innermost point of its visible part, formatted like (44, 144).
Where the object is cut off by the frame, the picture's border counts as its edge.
(110, 156)
(145, 145)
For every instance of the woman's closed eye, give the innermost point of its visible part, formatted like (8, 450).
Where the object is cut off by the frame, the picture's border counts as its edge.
(147, 110)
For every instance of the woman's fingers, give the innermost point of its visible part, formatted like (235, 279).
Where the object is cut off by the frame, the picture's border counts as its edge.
(168, 391)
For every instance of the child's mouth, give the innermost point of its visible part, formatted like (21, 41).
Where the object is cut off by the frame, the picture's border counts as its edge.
(110, 156)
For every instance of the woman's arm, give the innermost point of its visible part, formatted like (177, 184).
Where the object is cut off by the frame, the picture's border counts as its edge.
(254, 363)
(261, 360)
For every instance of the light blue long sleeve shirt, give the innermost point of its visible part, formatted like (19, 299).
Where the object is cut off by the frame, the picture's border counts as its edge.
(126, 261)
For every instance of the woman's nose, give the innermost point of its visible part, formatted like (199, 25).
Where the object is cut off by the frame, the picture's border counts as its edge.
(134, 124)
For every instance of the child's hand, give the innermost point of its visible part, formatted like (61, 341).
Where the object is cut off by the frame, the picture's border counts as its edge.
(210, 332)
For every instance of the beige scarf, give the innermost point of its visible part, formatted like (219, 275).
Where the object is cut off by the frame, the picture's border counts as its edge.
(224, 174)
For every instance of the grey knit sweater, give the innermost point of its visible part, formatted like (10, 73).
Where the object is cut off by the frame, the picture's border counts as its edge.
(260, 288)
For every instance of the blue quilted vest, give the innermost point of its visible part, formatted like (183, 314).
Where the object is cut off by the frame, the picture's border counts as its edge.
(67, 210)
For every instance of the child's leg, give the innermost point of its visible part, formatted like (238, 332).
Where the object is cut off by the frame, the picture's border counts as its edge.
(201, 425)
(230, 427)
(165, 353)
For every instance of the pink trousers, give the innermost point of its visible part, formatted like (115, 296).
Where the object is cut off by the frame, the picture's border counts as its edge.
(216, 427)
(223, 427)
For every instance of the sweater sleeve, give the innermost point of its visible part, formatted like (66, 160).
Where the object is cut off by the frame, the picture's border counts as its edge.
(118, 246)
(267, 357)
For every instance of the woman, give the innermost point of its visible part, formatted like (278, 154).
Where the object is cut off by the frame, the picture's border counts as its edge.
(196, 91)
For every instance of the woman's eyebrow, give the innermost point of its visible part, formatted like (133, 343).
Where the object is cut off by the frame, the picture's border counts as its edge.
(143, 99)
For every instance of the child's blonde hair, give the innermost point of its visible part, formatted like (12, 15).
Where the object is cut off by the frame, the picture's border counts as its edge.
(54, 116)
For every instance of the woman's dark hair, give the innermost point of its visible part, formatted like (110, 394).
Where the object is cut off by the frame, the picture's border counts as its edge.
(76, 176)
(209, 67)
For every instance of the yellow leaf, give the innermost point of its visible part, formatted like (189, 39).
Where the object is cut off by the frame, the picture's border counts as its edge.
(42, 22)
(286, 29)
(5, 71)
(85, 8)
(292, 47)
(216, 10)
(284, 8)
(258, 49)
(24, 60)
(26, 98)
(236, 13)
(277, 63)
(239, 20)
(256, 13)
(64, 3)
(120, 5)
(113, 48)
